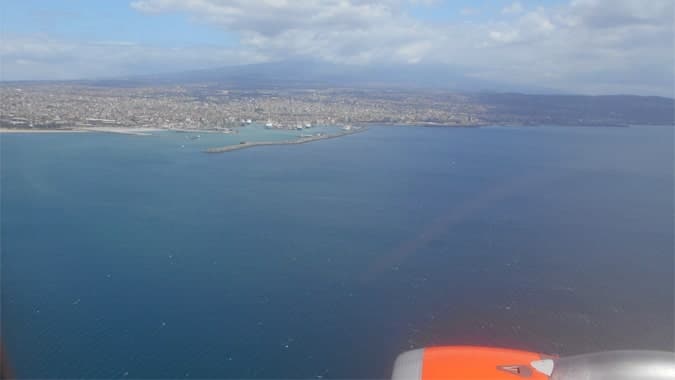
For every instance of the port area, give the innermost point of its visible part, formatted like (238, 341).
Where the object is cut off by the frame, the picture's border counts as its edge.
(301, 140)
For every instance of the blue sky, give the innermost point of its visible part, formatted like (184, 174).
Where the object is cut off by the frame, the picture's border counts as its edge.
(108, 21)
(116, 20)
(616, 46)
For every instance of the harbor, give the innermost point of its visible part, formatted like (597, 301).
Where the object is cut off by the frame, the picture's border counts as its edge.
(301, 140)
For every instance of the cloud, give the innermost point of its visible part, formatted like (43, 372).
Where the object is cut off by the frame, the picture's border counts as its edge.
(621, 13)
(590, 46)
(274, 17)
(343, 31)
(40, 57)
(513, 8)
(468, 11)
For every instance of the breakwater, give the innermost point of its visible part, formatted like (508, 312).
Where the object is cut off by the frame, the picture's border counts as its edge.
(302, 140)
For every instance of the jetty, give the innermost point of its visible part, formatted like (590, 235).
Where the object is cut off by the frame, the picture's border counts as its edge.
(302, 140)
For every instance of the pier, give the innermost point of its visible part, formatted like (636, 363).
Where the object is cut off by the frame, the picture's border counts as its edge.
(302, 140)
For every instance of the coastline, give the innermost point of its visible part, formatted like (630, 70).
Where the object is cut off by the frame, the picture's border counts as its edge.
(118, 130)
(31, 130)
(304, 140)
(146, 131)
(121, 130)
(192, 130)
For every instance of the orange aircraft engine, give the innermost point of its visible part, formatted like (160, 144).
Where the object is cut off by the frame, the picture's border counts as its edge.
(485, 363)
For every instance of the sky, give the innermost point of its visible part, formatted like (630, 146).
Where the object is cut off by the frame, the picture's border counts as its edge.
(577, 46)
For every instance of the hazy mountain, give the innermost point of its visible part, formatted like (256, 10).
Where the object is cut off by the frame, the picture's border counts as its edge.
(577, 109)
(316, 74)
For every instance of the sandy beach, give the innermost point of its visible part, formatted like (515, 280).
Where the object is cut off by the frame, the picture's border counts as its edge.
(31, 130)
(187, 130)
(122, 130)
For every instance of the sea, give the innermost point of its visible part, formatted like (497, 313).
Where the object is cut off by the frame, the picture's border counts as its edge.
(144, 257)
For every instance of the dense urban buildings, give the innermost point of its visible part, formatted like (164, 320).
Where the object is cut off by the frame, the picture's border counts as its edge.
(76, 105)
(61, 106)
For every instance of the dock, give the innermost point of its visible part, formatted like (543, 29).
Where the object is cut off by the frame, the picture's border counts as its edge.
(302, 140)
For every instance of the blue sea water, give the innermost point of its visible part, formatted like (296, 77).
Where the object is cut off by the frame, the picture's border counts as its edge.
(200, 141)
(127, 256)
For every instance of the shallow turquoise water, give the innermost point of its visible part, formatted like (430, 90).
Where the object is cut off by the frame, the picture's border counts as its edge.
(127, 256)
(186, 140)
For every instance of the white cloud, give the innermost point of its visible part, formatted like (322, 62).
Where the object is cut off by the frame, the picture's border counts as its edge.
(468, 11)
(39, 57)
(274, 17)
(513, 8)
(620, 13)
(345, 31)
(505, 36)
(581, 46)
